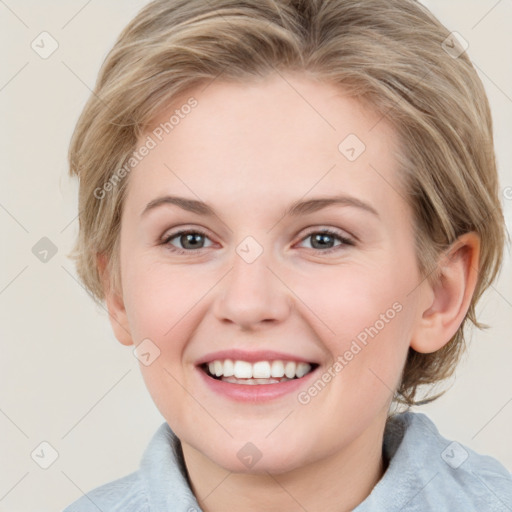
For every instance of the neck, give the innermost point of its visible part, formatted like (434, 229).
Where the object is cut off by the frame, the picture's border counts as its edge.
(336, 483)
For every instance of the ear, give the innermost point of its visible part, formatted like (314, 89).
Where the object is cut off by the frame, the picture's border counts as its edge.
(115, 305)
(447, 300)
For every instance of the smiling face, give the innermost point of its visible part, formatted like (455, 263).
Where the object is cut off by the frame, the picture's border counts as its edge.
(255, 279)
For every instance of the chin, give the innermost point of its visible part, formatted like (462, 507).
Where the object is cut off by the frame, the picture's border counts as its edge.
(249, 459)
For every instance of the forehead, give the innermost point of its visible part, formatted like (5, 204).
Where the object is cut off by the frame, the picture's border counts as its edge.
(282, 137)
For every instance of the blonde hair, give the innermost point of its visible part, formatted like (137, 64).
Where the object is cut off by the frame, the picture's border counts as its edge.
(390, 54)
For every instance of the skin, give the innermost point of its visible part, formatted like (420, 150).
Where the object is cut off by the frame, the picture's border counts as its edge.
(249, 151)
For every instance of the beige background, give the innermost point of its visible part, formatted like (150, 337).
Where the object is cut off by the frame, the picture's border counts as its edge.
(65, 379)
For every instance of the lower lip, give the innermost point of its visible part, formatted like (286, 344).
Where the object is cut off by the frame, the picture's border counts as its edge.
(256, 392)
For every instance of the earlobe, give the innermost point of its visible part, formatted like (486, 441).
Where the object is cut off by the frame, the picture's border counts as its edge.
(450, 296)
(115, 305)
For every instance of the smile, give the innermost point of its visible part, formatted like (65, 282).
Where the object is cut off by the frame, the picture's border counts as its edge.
(259, 372)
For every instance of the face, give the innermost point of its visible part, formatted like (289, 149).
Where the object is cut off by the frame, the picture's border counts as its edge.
(325, 287)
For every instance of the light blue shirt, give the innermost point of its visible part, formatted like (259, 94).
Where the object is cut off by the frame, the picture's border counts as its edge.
(426, 473)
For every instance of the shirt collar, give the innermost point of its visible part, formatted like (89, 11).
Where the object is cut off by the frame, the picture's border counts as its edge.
(412, 445)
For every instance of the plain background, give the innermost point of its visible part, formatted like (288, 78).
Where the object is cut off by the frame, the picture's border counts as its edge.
(65, 378)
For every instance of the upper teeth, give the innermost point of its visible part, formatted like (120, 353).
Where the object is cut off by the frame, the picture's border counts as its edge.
(259, 370)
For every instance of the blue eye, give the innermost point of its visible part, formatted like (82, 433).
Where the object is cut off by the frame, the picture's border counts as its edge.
(186, 237)
(193, 241)
(324, 237)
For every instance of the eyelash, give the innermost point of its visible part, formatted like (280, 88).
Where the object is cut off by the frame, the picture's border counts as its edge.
(330, 232)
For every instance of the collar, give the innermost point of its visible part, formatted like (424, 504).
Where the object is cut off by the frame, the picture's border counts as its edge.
(425, 472)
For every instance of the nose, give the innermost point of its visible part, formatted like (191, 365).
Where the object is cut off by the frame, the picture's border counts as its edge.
(252, 295)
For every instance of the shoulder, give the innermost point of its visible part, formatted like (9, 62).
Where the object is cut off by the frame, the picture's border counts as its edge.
(159, 484)
(126, 494)
(429, 473)
(454, 476)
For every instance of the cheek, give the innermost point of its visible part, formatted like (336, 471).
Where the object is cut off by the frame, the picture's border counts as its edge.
(348, 299)
(366, 321)
(163, 304)
(158, 298)
(160, 307)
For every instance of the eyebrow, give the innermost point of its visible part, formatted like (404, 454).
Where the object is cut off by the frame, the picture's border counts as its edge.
(295, 209)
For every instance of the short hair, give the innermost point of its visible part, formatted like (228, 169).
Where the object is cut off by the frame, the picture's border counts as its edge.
(394, 56)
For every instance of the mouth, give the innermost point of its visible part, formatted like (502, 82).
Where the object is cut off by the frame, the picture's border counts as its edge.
(265, 372)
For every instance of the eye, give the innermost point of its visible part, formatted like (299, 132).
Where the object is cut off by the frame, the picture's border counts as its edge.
(189, 239)
(193, 240)
(324, 238)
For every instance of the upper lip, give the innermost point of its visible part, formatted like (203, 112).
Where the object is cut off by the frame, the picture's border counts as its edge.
(251, 356)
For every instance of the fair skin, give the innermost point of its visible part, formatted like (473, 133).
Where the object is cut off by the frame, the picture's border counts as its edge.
(250, 151)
